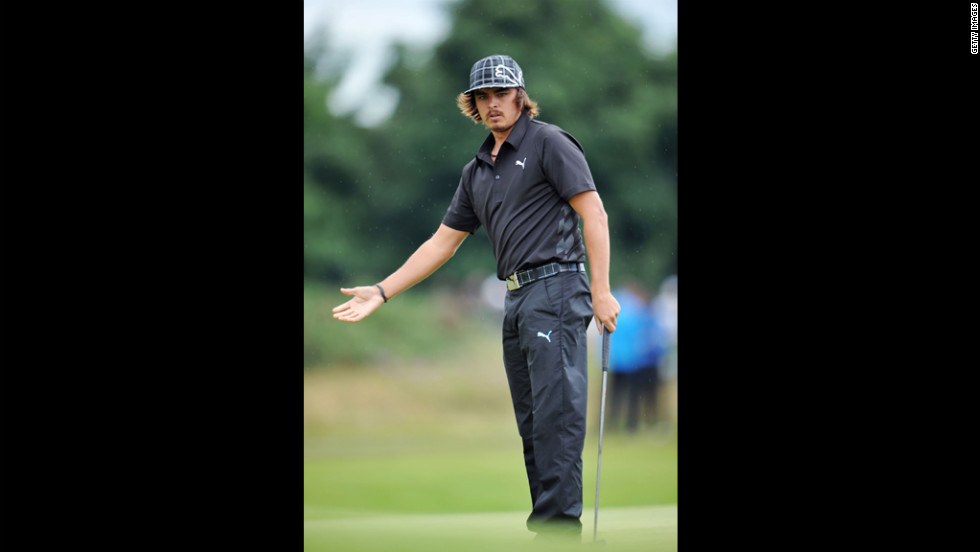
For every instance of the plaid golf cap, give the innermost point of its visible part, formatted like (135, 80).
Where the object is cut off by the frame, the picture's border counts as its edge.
(497, 71)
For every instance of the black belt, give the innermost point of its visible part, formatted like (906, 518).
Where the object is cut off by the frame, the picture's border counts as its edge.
(524, 277)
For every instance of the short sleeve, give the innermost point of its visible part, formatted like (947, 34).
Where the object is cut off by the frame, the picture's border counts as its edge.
(460, 215)
(564, 165)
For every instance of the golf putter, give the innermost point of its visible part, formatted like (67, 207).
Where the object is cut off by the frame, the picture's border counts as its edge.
(602, 419)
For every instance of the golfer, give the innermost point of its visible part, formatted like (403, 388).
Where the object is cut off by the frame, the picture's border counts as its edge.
(530, 187)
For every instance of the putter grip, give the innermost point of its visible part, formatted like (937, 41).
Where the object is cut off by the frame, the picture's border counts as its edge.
(605, 350)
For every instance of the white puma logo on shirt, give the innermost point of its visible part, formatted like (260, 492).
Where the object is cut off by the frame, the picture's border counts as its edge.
(548, 337)
(521, 163)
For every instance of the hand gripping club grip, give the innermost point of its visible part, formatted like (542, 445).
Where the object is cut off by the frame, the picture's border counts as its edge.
(605, 349)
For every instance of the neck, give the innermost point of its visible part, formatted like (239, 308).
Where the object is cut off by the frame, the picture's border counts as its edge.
(500, 137)
(498, 140)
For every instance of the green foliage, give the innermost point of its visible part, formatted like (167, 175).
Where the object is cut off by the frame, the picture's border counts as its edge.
(373, 195)
(415, 325)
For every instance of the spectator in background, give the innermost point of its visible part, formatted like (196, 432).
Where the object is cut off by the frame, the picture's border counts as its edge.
(665, 311)
(635, 353)
(665, 308)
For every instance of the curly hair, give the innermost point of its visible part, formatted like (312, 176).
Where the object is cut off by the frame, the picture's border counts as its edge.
(467, 105)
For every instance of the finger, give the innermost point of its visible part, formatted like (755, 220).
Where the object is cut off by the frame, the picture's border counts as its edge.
(356, 312)
(341, 308)
(606, 326)
(348, 316)
(347, 291)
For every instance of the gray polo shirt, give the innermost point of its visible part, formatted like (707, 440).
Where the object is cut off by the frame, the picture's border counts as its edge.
(522, 200)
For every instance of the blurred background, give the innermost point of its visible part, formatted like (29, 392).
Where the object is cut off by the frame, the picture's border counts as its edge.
(384, 145)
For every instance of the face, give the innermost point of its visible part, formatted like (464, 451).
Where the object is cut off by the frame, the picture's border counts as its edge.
(497, 107)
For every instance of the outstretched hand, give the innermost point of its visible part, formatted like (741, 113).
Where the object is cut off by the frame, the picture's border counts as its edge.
(366, 300)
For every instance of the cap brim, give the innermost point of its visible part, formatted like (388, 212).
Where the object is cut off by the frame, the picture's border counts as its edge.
(479, 87)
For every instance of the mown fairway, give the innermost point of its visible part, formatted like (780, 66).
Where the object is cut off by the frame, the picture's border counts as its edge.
(630, 528)
(425, 455)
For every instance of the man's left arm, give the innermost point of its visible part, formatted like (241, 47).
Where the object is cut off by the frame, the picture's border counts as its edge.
(595, 231)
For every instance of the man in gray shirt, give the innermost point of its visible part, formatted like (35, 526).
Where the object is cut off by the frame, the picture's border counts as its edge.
(529, 186)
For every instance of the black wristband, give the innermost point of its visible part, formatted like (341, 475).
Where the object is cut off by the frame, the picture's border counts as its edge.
(382, 290)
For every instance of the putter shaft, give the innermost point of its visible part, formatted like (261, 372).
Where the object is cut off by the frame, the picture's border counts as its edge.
(602, 419)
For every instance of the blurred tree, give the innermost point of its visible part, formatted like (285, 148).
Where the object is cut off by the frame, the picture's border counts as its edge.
(340, 187)
(373, 195)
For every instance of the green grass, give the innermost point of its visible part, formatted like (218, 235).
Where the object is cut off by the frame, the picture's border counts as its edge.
(422, 453)
(447, 475)
(622, 529)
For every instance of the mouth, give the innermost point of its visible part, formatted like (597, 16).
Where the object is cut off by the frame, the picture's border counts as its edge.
(494, 115)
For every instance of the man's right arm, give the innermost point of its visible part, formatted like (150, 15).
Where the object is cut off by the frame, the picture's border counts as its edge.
(427, 258)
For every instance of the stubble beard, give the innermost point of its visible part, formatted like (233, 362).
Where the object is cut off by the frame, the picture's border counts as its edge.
(500, 126)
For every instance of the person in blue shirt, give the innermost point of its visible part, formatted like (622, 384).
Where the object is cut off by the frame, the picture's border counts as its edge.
(634, 359)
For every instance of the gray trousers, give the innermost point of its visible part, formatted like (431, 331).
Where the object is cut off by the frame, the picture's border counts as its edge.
(545, 355)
